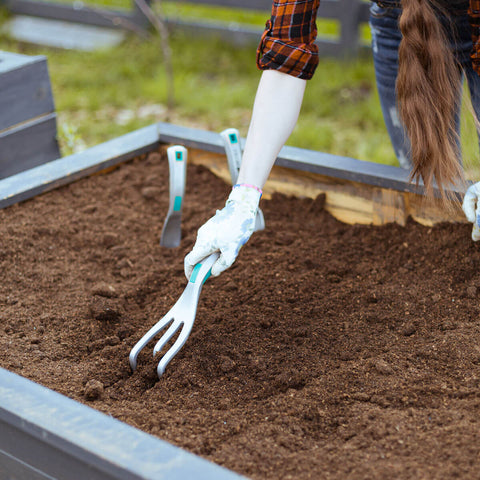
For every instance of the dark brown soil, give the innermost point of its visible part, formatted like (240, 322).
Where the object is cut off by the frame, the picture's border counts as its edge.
(327, 351)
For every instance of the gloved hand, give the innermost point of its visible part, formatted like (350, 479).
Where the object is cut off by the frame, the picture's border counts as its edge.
(471, 207)
(227, 231)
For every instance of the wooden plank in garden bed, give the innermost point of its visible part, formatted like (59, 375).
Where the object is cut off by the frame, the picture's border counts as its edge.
(357, 191)
(351, 197)
(338, 167)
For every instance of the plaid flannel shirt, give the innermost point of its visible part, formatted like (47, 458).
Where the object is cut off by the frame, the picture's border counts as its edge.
(474, 13)
(287, 43)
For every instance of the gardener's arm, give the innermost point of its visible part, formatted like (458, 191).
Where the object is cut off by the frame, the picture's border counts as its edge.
(275, 113)
(289, 57)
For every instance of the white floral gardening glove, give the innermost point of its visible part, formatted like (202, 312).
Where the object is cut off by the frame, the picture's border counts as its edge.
(227, 231)
(471, 207)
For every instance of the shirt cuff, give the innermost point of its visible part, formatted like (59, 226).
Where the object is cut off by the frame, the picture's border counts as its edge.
(288, 56)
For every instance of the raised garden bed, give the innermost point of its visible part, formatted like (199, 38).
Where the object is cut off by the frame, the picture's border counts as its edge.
(327, 351)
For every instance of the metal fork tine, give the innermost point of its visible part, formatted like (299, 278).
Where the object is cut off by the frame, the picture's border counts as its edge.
(160, 325)
(167, 336)
(174, 349)
(182, 315)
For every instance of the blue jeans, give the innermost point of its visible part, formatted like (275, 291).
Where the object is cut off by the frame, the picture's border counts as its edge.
(386, 39)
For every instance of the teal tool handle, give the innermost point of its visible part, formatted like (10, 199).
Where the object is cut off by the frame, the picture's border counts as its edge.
(177, 161)
(203, 270)
(233, 149)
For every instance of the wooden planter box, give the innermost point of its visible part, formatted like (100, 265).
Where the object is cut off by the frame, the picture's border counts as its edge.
(28, 130)
(44, 435)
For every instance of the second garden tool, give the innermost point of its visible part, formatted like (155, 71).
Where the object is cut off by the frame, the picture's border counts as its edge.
(180, 316)
(172, 227)
(233, 149)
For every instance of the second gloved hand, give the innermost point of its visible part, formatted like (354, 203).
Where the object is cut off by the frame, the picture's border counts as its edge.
(227, 231)
(471, 207)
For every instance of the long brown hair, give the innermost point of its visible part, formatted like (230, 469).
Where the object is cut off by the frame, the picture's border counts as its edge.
(428, 95)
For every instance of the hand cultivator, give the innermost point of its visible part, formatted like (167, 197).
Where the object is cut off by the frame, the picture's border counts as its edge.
(181, 316)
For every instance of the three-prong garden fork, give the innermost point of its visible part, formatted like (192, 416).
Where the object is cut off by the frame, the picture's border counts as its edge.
(180, 317)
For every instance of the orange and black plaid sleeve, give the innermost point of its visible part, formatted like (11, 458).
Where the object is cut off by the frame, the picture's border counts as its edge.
(287, 43)
(474, 13)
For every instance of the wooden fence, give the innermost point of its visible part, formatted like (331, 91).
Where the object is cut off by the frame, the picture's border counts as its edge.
(80, 12)
(350, 14)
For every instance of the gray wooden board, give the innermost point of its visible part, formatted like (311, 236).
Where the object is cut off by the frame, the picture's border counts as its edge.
(349, 13)
(61, 34)
(349, 21)
(68, 169)
(335, 166)
(12, 468)
(30, 455)
(333, 9)
(28, 145)
(53, 437)
(78, 12)
(250, 4)
(25, 87)
(328, 8)
(60, 172)
(242, 35)
(364, 12)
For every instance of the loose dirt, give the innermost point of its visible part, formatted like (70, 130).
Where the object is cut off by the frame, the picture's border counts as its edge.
(327, 351)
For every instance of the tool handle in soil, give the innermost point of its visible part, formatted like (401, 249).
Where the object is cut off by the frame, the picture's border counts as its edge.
(177, 163)
(233, 150)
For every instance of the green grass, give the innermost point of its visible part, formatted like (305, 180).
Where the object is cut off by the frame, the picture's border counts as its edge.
(104, 94)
